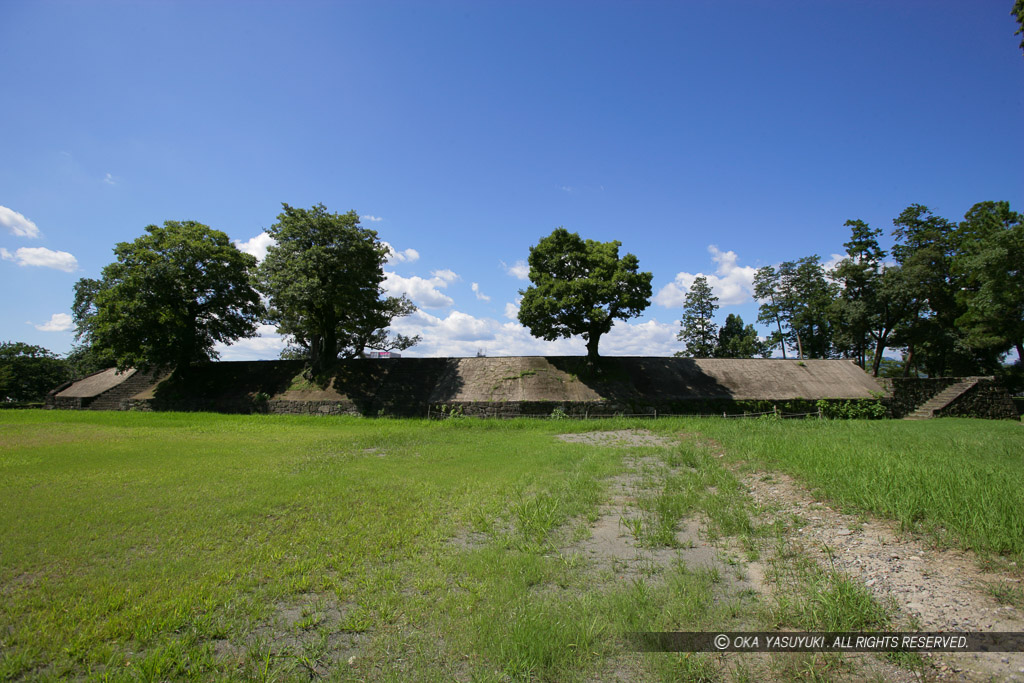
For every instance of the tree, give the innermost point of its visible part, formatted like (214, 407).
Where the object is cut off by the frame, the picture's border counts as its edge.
(767, 283)
(1018, 14)
(169, 298)
(925, 247)
(738, 341)
(323, 279)
(28, 372)
(797, 296)
(699, 332)
(989, 262)
(581, 287)
(858, 277)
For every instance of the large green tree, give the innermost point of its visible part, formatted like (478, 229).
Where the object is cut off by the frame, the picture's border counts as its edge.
(990, 265)
(323, 280)
(925, 248)
(170, 296)
(796, 297)
(858, 276)
(28, 372)
(698, 329)
(581, 287)
(736, 340)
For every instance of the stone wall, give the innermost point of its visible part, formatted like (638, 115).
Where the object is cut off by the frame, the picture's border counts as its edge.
(987, 399)
(907, 393)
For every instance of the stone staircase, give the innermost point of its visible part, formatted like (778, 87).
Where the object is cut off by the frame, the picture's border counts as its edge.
(112, 398)
(927, 410)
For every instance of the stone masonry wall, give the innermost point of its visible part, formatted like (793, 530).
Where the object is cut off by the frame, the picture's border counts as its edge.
(987, 399)
(907, 393)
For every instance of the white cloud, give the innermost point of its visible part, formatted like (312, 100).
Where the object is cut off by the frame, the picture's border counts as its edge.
(16, 224)
(446, 275)
(406, 256)
(257, 246)
(479, 295)
(461, 334)
(42, 257)
(372, 219)
(518, 270)
(425, 293)
(266, 345)
(512, 309)
(731, 283)
(58, 322)
(831, 264)
(109, 179)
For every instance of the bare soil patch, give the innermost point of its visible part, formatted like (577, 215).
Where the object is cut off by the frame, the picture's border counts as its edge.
(933, 589)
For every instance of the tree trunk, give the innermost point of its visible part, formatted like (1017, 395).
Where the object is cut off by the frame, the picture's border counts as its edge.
(879, 350)
(592, 342)
(907, 361)
(1020, 353)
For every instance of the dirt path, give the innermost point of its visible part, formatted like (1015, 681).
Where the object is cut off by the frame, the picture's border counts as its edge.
(932, 590)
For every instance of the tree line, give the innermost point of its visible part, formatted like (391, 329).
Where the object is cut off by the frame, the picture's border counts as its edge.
(949, 295)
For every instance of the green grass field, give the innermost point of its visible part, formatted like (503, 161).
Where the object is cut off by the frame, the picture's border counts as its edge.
(196, 546)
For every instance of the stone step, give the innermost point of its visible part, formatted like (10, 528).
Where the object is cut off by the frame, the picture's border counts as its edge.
(927, 410)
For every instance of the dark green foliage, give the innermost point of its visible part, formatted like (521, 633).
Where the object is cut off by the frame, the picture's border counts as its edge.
(699, 332)
(28, 372)
(854, 409)
(581, 287)
(1018, 14)
(85, 360)
(989, 265)
(796, 298)
(738, 341)
(323, 279)
(169, 298)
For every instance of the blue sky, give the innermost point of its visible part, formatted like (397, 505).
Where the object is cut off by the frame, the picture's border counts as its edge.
(707, 137)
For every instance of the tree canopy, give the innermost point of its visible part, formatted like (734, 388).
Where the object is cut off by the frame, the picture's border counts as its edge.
(323, 280)
(736, 340)
(698, 329)
(28, 372)
(581, 287)
(170, 296)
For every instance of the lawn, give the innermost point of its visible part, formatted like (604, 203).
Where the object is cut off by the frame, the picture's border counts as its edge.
(164, 546)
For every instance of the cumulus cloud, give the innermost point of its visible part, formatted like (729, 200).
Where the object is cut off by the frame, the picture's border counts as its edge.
(461, 334)
(406, 256)
(42, 257)
(731, 283)
(16, 224)
(512, 310)
(58, 322)
(518, 270)
(833, 261)
(424, 292)
(257, 246)
(372, 219)
(447, 275)
(479, 295)
(267, 344)
(109, 179)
